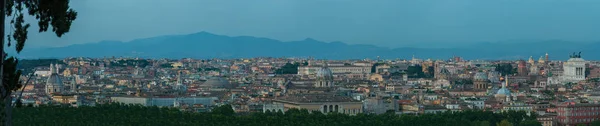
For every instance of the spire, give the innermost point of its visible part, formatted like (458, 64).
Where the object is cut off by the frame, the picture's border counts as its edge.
(56, 68)
(74, 85)
(505, 81)
(52, 68)
(179, 81)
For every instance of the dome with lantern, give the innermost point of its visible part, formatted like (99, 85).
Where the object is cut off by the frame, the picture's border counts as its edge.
(54, 83)
(325, 73)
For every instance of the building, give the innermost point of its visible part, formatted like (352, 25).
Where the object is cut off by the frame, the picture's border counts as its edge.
(336, 70)
(165, 101)
(179, 86)
(547, 120)
(73, 100)
(518, 106)
(324, 103)
(503, 93)
(54, 83)
(573, 69)
(594, 72)
(480, 81)
(273, 108)
(522, 68)
(324, 78)
(571, 113)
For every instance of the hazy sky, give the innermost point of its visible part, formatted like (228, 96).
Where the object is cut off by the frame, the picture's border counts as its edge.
(391, 23)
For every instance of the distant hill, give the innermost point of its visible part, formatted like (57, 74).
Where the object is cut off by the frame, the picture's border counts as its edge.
(207, 45)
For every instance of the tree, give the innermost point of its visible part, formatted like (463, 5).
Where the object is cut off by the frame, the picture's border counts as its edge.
(122, 114)
(223, 110)
(505, 69)
(49, 13)
(530, 123)
(595, 123)
(504, 123)
(430, 72)
(288, 68)
(415, 71)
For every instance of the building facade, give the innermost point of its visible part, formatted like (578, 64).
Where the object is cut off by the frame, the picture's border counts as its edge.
(571, 113)
(573, 69)
(321, 103)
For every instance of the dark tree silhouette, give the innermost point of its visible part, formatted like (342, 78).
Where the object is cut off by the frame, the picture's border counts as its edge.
(49, 13)
(121, 114)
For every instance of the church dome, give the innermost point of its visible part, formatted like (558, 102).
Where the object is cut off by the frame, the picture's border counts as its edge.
(324, 72)
(54, 79)
(503, 91)
(54, 84)
(480, 76)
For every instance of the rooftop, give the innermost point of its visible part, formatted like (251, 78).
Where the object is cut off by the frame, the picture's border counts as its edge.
(315, 98)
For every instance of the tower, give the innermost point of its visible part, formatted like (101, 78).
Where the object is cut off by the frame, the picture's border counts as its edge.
(522, 68)
(547, 60)
(179, 86)
(508, 97)
(74, 85)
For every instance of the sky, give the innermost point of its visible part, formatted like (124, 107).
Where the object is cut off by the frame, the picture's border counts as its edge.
(385, 23)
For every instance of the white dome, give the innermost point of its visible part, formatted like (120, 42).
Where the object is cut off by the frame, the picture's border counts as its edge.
(480, 76)
(324, 73)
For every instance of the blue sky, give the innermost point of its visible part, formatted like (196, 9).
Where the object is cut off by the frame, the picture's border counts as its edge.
(388, 23)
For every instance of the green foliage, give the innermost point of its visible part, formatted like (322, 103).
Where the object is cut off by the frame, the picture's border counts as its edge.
(374, 67)
(397, 74)
(504, 123)
(505, 69)
(480, 123)
(121, 114)
(11, 76)
(225, 110)
(288, 68)
(530, 123)
(49, 13)
(166, 65)
(595, 123)
(587, 72)
(416, 71)
(548, 92)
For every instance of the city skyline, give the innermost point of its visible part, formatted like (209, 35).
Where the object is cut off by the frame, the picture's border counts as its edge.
(384, 23)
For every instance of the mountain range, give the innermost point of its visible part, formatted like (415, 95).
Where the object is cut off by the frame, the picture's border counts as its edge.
(208, 45)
